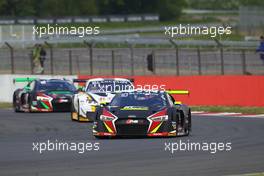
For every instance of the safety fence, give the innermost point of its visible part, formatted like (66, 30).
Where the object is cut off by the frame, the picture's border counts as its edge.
(134, 61)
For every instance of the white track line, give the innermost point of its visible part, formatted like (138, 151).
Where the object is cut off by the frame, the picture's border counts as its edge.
(248, 174)
(253, 116)
(197, 112)
(228, 114)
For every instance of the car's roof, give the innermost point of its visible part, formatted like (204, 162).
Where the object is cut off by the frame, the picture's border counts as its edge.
(102, 79)
(52, 80)
(145, 91)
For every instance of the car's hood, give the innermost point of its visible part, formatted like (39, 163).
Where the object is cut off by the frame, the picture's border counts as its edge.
(102, 97)
(133, 112)
(59, 94)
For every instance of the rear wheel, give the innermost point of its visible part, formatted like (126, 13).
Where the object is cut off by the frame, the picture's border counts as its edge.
(190, 121)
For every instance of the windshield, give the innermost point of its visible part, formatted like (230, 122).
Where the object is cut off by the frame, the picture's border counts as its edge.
(103, 86)
(139, 99)
(55, 86)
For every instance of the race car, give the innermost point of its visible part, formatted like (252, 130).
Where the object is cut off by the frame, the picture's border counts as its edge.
(43, 95)
(139, 113)
(97, 91)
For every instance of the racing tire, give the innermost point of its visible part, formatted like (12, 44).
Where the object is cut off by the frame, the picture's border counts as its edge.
(189, 121)
(15, 107)
(187, 127)
(102, 137)
(183, 123)
(29, 104)
(78, 112)
(72, 111)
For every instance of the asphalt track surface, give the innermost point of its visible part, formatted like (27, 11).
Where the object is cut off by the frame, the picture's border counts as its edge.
(137, 156)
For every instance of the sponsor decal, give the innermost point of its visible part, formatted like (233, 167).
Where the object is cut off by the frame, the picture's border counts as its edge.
(131, 121)
(134, 108)
(63, 100)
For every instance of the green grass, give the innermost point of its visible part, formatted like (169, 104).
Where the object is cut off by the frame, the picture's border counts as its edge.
(238, 109)
(120, 25)
(232, 37)
(5, 105)
(111, 45)
(255, 174)
(185, 19)
(252, 174)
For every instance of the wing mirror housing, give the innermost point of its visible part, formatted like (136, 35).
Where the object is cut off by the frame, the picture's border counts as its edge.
(104, 104)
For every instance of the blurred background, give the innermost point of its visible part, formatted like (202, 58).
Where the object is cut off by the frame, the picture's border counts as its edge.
(132, 39)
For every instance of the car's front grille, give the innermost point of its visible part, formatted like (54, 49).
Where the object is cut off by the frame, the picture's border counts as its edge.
(65, 106)
(139, 128)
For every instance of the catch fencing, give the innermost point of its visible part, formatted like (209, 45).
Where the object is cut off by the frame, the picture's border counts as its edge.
(133, 61)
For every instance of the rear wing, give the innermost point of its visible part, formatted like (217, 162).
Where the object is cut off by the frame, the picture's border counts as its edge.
(178, 92)
(15, 80)
(79, 80)
(85, 80)
(132, 80)
(81, 83)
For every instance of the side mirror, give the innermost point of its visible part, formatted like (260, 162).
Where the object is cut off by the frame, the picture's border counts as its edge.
(104, 103)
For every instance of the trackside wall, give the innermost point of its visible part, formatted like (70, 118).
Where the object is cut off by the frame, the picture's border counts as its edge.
(210, 90)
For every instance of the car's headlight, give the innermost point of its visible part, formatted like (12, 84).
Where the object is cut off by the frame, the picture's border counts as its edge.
(159, 118)
(90, 99)
(106, 118)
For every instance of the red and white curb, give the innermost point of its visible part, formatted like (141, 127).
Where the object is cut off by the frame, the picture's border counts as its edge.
(227, 114)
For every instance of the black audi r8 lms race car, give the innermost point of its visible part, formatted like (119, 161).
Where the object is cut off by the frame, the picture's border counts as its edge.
(43, 95)
(139, 113)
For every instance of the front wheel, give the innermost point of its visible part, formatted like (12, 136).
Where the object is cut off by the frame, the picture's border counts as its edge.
(78, 111)
(102, 137)
(188, 124)
(74, 113)
(29, 103)
(15, 106)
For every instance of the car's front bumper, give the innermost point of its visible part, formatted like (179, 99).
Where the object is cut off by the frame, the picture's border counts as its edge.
(51, 106)
(164, 129)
